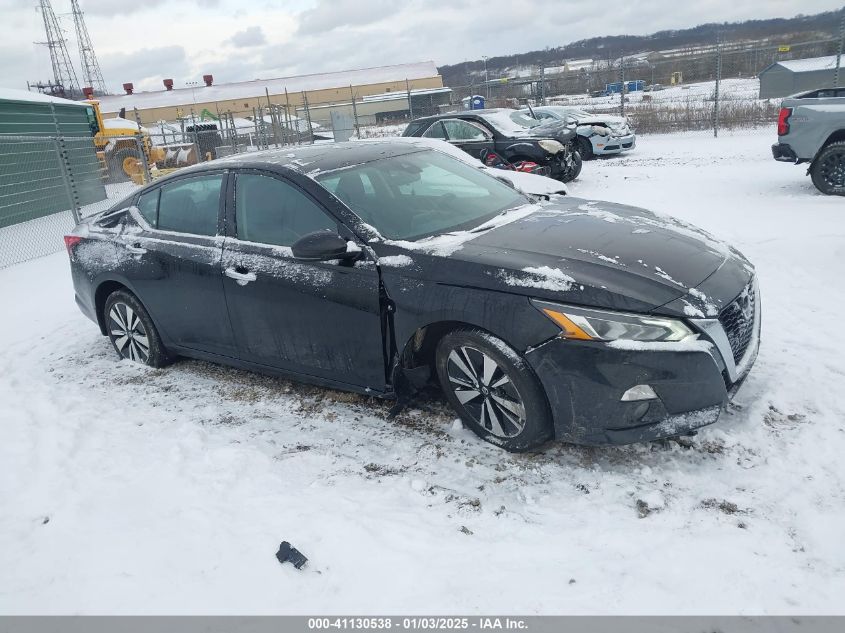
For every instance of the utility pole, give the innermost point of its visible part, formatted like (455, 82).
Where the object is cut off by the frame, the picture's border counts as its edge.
(542, 85)
(410, 103)
(622, 86)
(718, 86)
(840, 52)
(64, 76)
(90, 66)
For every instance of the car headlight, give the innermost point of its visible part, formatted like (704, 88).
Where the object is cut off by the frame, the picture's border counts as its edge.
(600, 325)
(552, 147)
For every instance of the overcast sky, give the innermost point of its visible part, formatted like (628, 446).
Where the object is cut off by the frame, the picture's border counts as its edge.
(145, 41)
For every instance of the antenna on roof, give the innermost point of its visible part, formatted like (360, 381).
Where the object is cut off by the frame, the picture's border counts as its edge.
(90, 66)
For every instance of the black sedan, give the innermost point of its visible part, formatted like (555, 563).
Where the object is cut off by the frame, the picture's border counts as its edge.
(379, 267)
(512, 134)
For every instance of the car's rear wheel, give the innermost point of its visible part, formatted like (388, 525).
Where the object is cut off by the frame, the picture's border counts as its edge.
(828, 171)
(131, 330)
(494, 391)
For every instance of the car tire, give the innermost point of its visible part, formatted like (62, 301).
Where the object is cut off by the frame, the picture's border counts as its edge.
(828, 170)
(131, 330)
(571, 172)
(585, 148)
(493, 389)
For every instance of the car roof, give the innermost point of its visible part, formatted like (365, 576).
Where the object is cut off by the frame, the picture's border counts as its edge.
(312, 159)
(459, 113)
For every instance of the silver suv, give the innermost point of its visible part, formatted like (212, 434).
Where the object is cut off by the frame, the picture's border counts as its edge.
(811, 129)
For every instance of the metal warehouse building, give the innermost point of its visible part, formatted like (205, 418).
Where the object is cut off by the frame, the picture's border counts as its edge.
(36, 132)
(785, 78)
(172, 103)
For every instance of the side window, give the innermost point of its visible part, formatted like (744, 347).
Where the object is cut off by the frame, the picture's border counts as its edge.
(148, 206)
(272, 211)
(435, 131)
(464, 131)
(190, 205)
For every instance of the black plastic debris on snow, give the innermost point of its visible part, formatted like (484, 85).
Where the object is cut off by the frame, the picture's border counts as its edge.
(289, 554)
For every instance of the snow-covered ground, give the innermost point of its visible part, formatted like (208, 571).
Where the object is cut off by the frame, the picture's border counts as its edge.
(131, 490)
(681, 95)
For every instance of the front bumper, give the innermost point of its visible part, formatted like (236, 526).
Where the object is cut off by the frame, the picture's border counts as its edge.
(613, 144)
(584, 382)
(784, 153)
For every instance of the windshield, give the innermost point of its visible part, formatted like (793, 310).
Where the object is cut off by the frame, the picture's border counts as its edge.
(421, 194)
(524, 119)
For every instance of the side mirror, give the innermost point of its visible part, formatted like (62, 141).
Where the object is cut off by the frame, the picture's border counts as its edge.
(321, 246)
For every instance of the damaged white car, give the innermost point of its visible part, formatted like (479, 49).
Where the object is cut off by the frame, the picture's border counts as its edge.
(598, 134)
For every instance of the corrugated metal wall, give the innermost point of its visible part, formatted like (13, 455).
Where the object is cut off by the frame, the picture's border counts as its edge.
(32, 182)
(776, 81)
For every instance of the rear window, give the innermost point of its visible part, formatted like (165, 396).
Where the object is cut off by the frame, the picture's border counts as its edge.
(414, 128)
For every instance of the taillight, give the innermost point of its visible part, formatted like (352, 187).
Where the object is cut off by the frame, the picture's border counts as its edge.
(783, 121)
(71, 241)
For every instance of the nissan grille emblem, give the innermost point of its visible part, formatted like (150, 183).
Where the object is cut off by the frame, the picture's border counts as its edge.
(746, 306)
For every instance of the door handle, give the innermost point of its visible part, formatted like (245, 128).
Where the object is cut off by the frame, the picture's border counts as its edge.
(242, 278)
(136, 248)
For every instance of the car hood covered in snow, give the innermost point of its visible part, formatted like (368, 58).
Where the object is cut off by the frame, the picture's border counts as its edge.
(592, 253)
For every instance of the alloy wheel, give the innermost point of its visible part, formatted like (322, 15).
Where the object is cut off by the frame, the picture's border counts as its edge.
(128, 333)
(486, 392)
(832, 169)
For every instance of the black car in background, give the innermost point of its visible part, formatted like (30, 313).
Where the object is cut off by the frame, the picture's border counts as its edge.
(513, 134)
(377, 267)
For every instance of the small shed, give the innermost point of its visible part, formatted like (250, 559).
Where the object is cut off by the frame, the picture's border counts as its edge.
(789, 77)
(32, 182)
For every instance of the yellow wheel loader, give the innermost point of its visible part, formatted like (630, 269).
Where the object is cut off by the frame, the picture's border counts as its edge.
(117, 143)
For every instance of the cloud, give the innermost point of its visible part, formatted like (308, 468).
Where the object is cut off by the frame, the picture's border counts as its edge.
(146, 67)
(146, 41)
(111, 7)
(107, 7)
(249, 37)
(330, 15)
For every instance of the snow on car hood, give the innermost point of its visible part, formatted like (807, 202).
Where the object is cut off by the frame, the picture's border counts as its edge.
(590, 253)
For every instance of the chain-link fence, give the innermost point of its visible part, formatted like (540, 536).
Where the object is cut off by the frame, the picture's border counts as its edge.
(47, 183)
(696, 88)
(290, 119)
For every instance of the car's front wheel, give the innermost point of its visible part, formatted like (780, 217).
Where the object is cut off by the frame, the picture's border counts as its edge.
(585, 148)
(131, 330)
(570, 167)
(494, 391)
(828, 170)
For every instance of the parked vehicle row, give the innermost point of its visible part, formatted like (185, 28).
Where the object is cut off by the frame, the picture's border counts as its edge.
(379, 267)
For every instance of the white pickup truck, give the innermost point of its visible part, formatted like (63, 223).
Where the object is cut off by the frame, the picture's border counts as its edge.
(811, 129)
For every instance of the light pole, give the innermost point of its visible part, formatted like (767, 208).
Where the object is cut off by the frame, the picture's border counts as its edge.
(193, 85)
(486, 80)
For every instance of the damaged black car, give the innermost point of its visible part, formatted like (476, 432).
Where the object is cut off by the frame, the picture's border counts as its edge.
(512, 135)
(385, 266)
